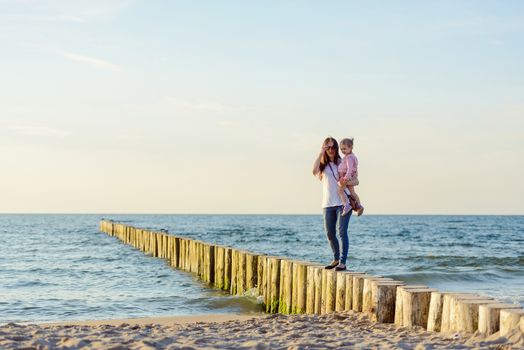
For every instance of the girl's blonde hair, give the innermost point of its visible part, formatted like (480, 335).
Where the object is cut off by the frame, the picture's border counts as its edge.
(347, 142)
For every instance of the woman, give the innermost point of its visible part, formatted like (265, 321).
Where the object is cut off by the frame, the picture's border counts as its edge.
(326, 169)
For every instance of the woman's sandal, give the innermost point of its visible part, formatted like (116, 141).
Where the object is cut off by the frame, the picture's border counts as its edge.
(332, 265)
(341, 267)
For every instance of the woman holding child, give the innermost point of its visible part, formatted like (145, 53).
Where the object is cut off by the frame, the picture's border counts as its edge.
(335, 203)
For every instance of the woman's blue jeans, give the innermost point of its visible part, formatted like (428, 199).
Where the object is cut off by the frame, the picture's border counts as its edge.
(333, 222)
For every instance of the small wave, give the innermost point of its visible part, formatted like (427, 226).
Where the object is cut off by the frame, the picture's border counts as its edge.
(466, 261)
(439, 277)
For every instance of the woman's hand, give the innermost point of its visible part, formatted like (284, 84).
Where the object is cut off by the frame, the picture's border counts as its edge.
(316, 164)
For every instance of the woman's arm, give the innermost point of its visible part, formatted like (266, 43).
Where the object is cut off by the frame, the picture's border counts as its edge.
(351, 182)
(316, 164)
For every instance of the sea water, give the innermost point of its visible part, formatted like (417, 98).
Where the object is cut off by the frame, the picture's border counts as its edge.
(60, 267)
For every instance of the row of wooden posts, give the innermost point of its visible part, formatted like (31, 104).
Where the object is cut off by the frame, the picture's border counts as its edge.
(295, 287)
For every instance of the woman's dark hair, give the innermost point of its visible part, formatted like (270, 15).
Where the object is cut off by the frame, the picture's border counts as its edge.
(324, 160)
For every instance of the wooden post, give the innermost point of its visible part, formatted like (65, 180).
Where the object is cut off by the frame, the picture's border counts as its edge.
(489, 317)
(176, 251)
(348, 298)
(251, 272)
(154, 243)
(157, 253)
(399, 307)
(415, 306)
(330, 288)
(358, 291)
(344, 289)
(181, 253)
(383, 294)
(219, 266)
(435, 311)
(313, 293)
(274, 285)
(449, 315)
(467, 314)
(367, 300)
(263, 285)
(234, 271)
(167, 252)
(260, 274)
(299, 287)
(241, 272)
(510, 320)
(227, 268)
(202, 259)
(286, 283)
(209, 263)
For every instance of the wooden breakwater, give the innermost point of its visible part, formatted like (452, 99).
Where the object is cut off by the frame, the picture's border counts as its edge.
(294, 287)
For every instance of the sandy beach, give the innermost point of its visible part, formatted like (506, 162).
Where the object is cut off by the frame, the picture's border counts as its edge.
(334, 331)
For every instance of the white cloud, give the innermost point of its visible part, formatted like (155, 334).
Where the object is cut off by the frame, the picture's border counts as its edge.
(92, 61)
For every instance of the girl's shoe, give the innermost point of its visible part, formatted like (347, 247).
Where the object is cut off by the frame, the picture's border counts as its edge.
(332, 265)
(347, 209)
(360, 210)
(340, 267)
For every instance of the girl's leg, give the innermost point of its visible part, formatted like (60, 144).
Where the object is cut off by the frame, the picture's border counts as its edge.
(330, 225)
(354, 194)
(342, 195)
(360, 208)
(343, 223)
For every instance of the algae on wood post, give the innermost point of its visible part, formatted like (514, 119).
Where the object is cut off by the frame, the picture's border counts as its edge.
(274, 286)
(286, 283)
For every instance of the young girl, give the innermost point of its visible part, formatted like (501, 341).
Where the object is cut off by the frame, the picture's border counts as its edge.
(348, 170)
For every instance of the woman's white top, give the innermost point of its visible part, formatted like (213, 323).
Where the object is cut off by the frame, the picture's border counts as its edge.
(330, 197)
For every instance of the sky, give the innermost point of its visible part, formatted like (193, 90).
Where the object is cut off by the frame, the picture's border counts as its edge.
(221, 107)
